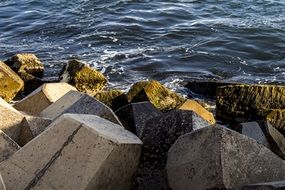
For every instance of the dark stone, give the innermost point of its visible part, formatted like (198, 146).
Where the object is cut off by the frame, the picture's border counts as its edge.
(276, 185)
(158, 135)
(220, 158)
(115, 99)
(135, 115)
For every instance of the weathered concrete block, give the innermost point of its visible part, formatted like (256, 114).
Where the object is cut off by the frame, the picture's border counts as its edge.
(115, 99)
(198, 109)
(42, 97)
(276, 185)
(219, 158)
(2, 184)
(76, 152)
(158, 135)
(135, 115)
(161, 97)
(7, 146)
(10, 83)
(277, 119)
(243, 103)
(31, 127)
(81, 103)
(83, 77)
(10, 120)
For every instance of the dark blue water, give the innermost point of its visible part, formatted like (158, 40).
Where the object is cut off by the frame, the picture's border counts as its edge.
(171, 41)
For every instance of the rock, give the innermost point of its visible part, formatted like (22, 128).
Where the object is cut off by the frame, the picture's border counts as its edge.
(198, 109)
(276, 185)
(76, 152)
(206, 88)
(10, 120)
(42, 97)
(2, 184)
(10, 83)
(135, 115)
(161, 97)
(31, 127)
(26, 63)
(277, 119)
(243, 103)
(7, 146)
(158, 135)
(80, 103)
(115, 99)
(219, 158)
(83, 77)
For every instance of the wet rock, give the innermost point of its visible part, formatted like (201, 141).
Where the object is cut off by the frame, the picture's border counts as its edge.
(158, 135)
(206, 88)
(219, 158)
(31, 127)
(76, 152)
(80, 103)
(10, 120)
(42, 97)
(276, 185)
(83, 77)
(161, 97)
(198, 109)
(7, 146)
(26, 63)
(277, 119)
(10, 83)
(115, 99)
(135, 115)
(241, 103)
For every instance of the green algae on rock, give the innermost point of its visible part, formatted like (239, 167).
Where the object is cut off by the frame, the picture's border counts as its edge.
(239, 103)
(115, 99)
(277, 119)
(161, 97)
(10, 83)
(83, 77)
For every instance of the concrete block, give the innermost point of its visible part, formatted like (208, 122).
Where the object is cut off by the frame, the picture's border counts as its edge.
(219, 158)
(275, 185)
(7, 146)
(81, 103)
(42, 97)
(135, 115)
(158, 135)
(76, 152)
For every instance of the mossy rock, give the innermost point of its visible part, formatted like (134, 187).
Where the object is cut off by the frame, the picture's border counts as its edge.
(83, 77)
(115, 99)
(277, 119)
(161, 97)
(26, 63)
(240, 103)
(10, 83)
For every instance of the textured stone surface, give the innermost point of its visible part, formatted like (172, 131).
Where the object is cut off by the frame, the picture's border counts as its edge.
(277, 119)
(161, 97)
(219, 158)
(276, 185)
(158, 136)
(76, 152)
(10, 83)
(83, 77)
(115, 99)
(10, 120)
(2, 184)
(31, 127)
(198, 109)
(42, 97)
(76, 102)
(248, 102)
(7, 146)
(135, 115)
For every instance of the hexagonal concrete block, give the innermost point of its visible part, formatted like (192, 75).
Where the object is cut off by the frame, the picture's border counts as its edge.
(135, 115)
(42, 97)
(76, 152)
(81, 103)
(31, 127)
(219, 158)
(158, 135)
(10, 120)
(7, 146)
